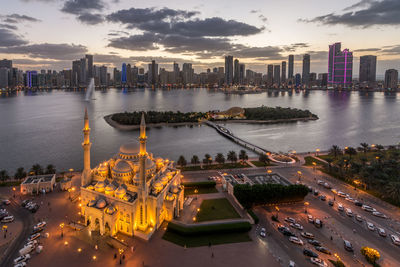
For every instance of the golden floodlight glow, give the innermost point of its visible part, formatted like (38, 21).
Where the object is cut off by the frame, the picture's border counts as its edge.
(66, 243)
(198, 209)
(94, 257)
(194, 219)
(79, 250)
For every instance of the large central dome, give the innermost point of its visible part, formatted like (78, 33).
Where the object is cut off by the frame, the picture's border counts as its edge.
(129, 149)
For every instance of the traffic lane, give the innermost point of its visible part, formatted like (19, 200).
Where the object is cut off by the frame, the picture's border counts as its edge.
(343, 225)
(280, 245)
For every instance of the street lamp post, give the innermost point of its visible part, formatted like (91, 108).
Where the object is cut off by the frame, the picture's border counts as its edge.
(62, 227)
(120, 255)
(14, 189)
(277, 211)
(305, 206)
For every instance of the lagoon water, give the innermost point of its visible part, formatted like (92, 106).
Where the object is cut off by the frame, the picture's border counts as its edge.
(46, 127)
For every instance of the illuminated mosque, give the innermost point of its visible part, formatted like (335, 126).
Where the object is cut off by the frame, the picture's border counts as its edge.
(131, 193)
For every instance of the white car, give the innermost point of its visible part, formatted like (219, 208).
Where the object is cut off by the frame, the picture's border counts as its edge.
(21, 264)
(359, 218)
(340, 207)
(379, 214)
(33, 237)
(341, 194)
(349, 212)
(382, 232)
(327, 186)
(370, 226)
(7, 219)
(368, 208)
(296, 240)
(395, 239)
(289, 219)
(292, 264)
(22, 258)
(320, 182)
(41, 224)
(297, 226)
(318, 262)
(350, 199)
(263, 232)
(310, 218)
(307, 235)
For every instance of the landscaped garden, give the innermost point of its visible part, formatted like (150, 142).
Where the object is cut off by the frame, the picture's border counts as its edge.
(206, 187)
(216, 209)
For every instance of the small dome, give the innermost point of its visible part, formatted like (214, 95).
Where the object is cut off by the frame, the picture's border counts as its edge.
(158, 186)
(149, 163)
(100, 186)
(175, 189)
(92, 203)
(129, 149)
(120, 192)
(111, 210)
(164, 180)
(109, 189)
(90, 187)
(101, 203)
(170, 197)
(122, 167)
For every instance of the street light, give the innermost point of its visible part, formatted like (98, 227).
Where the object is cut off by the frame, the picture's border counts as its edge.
(317, 151)
(14, 189)
(62, 227)
(277, 211)
(306, 205)
(70, 172)
(120, 255)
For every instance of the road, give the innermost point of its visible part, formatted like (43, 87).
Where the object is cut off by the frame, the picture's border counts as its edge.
(26, 217)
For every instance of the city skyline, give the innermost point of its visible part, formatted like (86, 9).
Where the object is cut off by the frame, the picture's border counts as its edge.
(49, 34)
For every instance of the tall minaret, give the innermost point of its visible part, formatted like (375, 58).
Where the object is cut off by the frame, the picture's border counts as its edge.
(85, 179)
(143, 192)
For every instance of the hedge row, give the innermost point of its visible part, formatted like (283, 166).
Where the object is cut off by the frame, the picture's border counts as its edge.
(200, 184)
(261, 194)
(253, 215)
(194, 230)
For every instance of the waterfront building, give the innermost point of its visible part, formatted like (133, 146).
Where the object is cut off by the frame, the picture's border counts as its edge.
(31, 79)
(4, 73)
(306, 69)
(89, 64)
(391, 79)
(270, 75)
(277, 75)
(153, 73)
(291, 67)
(187, 73)
(242, 72)
(340, 66)
(83, 81)
(228, 70)
(103, 76)
(76, 72)
(297, 79)
(38, 184)
(323, 79)
(5, 63)
(236, 72)
(367, 70)
(132, 193)
(129, 75)
(283, 79)
(123, 74)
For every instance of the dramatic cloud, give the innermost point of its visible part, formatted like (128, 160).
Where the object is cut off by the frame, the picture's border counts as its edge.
(368, 50)
(8, 26)
(295, 46)
(386, 12)
(8, 39)
(391, 50)
(91, 19)
(16, 18)
(82, 6)
(145, 41)
(47, 51)
(178, 44)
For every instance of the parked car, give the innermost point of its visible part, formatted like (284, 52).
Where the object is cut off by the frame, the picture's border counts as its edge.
(382, 232)
(290, 220)
(310, 253)
(6, 202)
(395, 239)
(340, 207)
(7, 219)
(26, 250)
(323, 250)
(307, 235)
(322, 197)
(318, 223)
(349, 212)
(327, 186)
(21, 264)
(318, 262)
(359, 218)
(310, 218)
(314, 242)
(22, 259)
(292, 264)
(334, 191)
(34, 236)
(319, 182)
(341, 194)
(350, 199)
(40, 225)
(36, 230)
(263, 232)
(296, 240)
(316, 192)
(370, 226)
(348, 246)
(24, 202)
(296, 226)
(368, 208)
(379, 214)
(358, 203)
(330, 202)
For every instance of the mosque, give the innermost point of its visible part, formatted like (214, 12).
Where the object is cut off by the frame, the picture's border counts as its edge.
(131, 193)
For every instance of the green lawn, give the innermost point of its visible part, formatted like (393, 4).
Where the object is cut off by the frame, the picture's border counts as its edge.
(309, 161)
(216, 166)
(262, 164)
(216, 209)
(201, 190)
(204, 240)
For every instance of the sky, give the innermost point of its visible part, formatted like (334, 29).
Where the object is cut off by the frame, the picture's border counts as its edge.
(49, 34)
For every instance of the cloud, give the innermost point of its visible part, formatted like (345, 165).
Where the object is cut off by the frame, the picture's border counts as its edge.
(145, 41)
(90, 19)
(386, 12)
(8, 26)
(362, 3)
(47, 51)
(294, 47)
(8, 39)
(16, 18)
(391, 50)
(82, 6)
(368, 50)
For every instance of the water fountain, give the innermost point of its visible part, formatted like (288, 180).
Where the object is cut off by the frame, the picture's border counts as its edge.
(89, 90)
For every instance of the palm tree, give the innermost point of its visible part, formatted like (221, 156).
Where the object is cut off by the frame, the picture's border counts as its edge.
(335, 151)
(232, 157)
(243, 155)
(264, 158)
(20, 173)
(182, 161)
(195, 160)
(220, 158)
(50, 169)
(350, 151)
(37, 169)
(329, 160)
(392, 190)
(4, 175)
(365, 147)
(207, 159)
(379, 147)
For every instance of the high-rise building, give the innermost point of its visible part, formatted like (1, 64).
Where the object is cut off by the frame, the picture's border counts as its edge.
(270, 75)
(103, 76)
(323, 79)
(6, 64)
(83, 78)
(306, 69)
(236, 72)
(129, 75)
(391, 79)
(176, 71)
(297, 79)
(117, 77)
(4, 73)
(89, 66)
(123, 74)
(367, 69)
(291, 67)
(31, 79)
(153, 73)
(228, 70)
(76, 72)
(242, 73)
(277, 75)
(283, 79)
(340, 66)
(187, 73)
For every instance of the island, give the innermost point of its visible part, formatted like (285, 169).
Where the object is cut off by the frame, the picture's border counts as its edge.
(263, 114)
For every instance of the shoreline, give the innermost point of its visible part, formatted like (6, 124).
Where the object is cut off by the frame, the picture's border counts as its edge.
(122, 127)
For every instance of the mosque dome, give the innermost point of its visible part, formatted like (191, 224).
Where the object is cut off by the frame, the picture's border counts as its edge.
(100, 186)
(175, 189)
(149, 163)
(109, 189)
(122, 167)
(164, 180)
(111, 210)
(120, 192)
(101, 203)
(170, 197)
(158, 186)
(129, 149)
(92, 203)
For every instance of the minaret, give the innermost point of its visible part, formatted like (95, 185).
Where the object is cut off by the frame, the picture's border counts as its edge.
(85, 179)
(143, 192)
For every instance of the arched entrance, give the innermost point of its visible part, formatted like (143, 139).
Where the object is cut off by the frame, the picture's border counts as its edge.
(107, 229)
(88, 222)
(97, 224)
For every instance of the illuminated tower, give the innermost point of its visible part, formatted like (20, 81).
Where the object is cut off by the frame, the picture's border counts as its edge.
(86, 152)
(143, 222)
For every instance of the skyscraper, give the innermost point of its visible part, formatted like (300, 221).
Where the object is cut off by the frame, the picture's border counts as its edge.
(306, 69)
(242, 73)
(129, 74)
(4, 72)
(153, 73)
(270, 75)
(103, 76)
(236, 72)
(89, 64)
(277, 75)
(228, 70)
(6, 64)
(283, 79)
(367, 69)
(187, 73)
(340, 66)
(76, 72)
(291, 67)
(391, 79)
(83, 69)
(123, 74)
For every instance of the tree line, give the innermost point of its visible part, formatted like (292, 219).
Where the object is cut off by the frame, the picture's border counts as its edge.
(21, 173)
(134, 118)
(277, 113)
